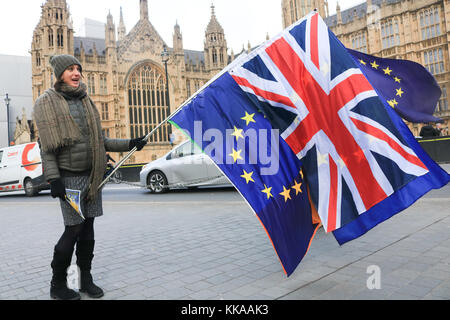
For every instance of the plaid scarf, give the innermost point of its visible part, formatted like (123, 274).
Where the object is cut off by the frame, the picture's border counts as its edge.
(57, 128)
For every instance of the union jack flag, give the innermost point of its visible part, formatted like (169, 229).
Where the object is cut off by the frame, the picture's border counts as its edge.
(308, 86)
(338, 137)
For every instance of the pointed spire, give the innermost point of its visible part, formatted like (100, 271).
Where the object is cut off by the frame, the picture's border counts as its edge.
(338, 13)
(144, 9)
(214, 26)
(109, 18)
(122, 30)
(177, 38)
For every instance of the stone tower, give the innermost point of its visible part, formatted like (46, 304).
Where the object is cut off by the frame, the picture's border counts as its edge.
(110, 33)
(216, 57)
(177, 39)
(294, 10)
(53, 35)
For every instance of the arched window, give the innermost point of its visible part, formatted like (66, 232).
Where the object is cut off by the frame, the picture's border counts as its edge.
(60, 38)
(38, 59)
(50, 37)
(91, 84)
(147, 103)
(214, 56)
(188, 88)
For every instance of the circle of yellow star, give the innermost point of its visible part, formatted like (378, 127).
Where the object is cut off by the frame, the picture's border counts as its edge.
(387, 71)
(399, 92)
(236, 155)
(286, 194)
(248, 176)
(248, 118)
(237, 133)
(374, 65)
(267, 191)
(297, 187)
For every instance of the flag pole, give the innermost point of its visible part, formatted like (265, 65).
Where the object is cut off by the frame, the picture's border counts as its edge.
(206, 85)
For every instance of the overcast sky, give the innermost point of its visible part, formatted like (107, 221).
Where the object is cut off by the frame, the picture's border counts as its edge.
(242, 20)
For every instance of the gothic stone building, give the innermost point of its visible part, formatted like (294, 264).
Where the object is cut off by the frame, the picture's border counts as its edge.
(126, 75)
(415, 30)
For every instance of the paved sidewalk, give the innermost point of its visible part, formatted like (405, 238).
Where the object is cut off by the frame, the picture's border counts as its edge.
(220, 251)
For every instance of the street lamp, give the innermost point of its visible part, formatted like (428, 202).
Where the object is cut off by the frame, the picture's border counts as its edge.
(7, 101)
(165, 59)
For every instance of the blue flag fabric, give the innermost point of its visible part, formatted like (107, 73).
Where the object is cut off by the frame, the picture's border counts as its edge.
(407, 86)
(226, 124)
(337, 135)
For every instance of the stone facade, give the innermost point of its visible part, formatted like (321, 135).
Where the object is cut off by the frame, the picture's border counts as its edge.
(416, 30)
(294, 10)
(125, 74)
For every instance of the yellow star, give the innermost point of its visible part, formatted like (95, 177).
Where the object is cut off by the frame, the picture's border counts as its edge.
(286, 194)
(362, 62)
(248, 118)
(301, 174)
(297, 187)
(322, 159)
(325, 69)
(397, 79)
(372, 139)
(374, 65)
(267, 191)
(393, 103)
(340, 163)
(260, 111)
(387, 71)
(236, 155)
(248, 176)
(399, 92)
(237, 133)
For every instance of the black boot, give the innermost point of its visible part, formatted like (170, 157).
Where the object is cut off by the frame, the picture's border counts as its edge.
(85, 254)
(58, 285)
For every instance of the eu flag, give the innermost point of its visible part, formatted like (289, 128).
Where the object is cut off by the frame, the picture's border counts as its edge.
(406, 86)
(230, 129)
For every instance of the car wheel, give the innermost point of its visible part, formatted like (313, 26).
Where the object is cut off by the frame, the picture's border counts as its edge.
(30, 189)
(157, 182)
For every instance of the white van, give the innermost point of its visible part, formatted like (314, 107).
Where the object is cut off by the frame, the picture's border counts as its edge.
(21, 169)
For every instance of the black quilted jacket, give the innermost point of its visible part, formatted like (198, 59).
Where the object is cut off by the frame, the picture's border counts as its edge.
(77, 157)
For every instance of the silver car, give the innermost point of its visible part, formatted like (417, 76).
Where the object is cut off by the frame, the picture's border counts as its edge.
(185, 166)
